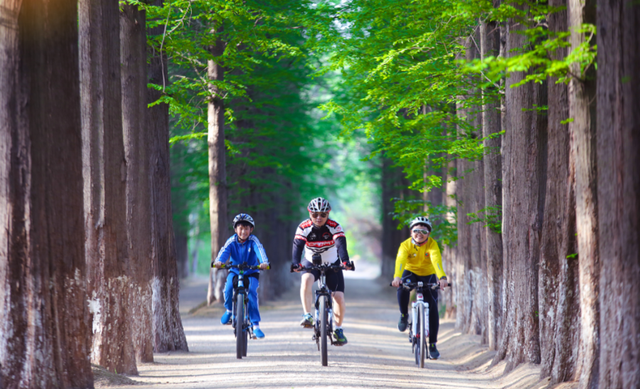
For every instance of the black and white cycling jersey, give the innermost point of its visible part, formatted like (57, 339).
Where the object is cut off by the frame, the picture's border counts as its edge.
(328, 241)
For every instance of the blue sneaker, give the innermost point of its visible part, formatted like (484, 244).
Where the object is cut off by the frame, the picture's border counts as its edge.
(226, 318)
(258, 333)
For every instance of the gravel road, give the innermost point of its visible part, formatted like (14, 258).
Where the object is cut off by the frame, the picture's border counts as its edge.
(377, 356)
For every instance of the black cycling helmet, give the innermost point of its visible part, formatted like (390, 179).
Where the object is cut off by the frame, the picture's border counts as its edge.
(421, 220)
(243, 217)
(319, 205)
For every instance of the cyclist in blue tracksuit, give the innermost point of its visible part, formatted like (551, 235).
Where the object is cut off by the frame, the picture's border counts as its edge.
(243, 247)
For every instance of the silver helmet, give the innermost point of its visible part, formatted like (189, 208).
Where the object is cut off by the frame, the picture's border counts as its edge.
(421, 220)
(319, 205)
(243, 217)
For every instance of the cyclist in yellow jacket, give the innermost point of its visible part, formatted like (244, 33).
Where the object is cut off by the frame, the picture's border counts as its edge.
(419, 259)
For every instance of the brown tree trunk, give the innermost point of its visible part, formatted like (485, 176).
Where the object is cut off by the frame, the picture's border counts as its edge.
(524, 175)
(217, 171)
(105, 187)
(558, 276)
(392, 186)
(583, 155)
(491, 124)
(618, 151)
(167, 325)
(137, 152)
(45, 334)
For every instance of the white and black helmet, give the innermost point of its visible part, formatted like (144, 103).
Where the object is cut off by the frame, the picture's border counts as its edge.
(319, 205)
(243, 217)
(421, 220)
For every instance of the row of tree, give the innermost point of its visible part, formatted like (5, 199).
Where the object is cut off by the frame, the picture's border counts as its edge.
(87, 255)
(495, 110)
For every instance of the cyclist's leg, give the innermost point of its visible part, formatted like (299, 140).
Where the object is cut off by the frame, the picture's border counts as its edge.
(403, 294)
(431, 296)
(228, 291)
(335, 283)
(253, 308)
(306, 291)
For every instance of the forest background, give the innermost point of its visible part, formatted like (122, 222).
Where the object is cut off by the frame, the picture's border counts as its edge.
(511, 124)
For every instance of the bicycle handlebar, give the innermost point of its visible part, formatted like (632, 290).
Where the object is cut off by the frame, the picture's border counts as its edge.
(323, 267)
(412, 285)
(242, 266)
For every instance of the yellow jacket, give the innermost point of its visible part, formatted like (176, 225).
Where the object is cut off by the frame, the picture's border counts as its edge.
(421, 260)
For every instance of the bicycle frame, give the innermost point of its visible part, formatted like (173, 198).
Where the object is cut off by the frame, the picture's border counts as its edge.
(323, 290)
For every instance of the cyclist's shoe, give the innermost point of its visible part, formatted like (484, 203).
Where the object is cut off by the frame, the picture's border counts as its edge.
(307, 321)
(340, 338)
(433, 351)
(402, 324)
(226, 318)
(258, 333)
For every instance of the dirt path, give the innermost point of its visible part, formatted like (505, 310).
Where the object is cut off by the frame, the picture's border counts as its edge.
(377, 355)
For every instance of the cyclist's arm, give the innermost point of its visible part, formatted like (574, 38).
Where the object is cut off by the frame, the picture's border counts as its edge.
(298, 247)
(401, 261)
(341, 246)
(225, 252)
(436, 258)
(259, 250)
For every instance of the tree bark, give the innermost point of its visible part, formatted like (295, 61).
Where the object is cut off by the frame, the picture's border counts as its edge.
(618, 156)
(45, 335)
(392, 185)
(491, 124)
(583, 155)
(104, 173)
(137, 153)
(217, 169)
(524, 175)
(167, 325)
(558, 275)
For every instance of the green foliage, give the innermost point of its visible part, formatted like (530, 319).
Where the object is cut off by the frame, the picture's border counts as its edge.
(489, 216)
(443, 218)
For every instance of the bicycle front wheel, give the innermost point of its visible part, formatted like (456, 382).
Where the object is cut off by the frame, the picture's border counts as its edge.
(324, 322)
(240, 330)
(422, 340)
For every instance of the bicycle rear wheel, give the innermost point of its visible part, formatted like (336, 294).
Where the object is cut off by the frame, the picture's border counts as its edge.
(245, 332)
(422, 340)
(240, 330)
(324, 321)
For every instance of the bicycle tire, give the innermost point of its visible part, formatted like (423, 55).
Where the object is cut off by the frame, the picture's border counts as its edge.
(245, 332)
(240, 330)
(415, 346)
(324, 321)
(422, 340)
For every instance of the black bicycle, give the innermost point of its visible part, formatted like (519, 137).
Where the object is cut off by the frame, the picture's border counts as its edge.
(419, 321)
(323, 326)
(241, 324)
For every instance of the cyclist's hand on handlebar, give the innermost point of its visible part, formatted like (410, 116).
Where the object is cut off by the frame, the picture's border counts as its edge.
(396, 282)
(264, 266)
(217, 264)
(443, 283)
(348, 265)
(296, 267)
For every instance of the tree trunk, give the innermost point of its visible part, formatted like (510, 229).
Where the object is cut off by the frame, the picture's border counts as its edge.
(45, 334)
(583, 155)
(558, 276)
(217, 170)
(392, 185)
(105, 187)
(167, 325)
(524, 175)
(137, 152)
(491, 124)
(450, 254)
(618, 151)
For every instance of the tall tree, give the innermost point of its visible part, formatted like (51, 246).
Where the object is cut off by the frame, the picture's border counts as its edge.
(558, 276)
(104, 171)
(167, 325)
(618, 151)
(582, 129)
(217, 164)
(491, 126)
(45, 336)
(524, 167)
(137, 145)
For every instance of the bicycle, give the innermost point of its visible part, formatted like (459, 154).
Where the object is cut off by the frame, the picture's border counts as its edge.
(244, 331)
(419, 324)
(323, 326)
